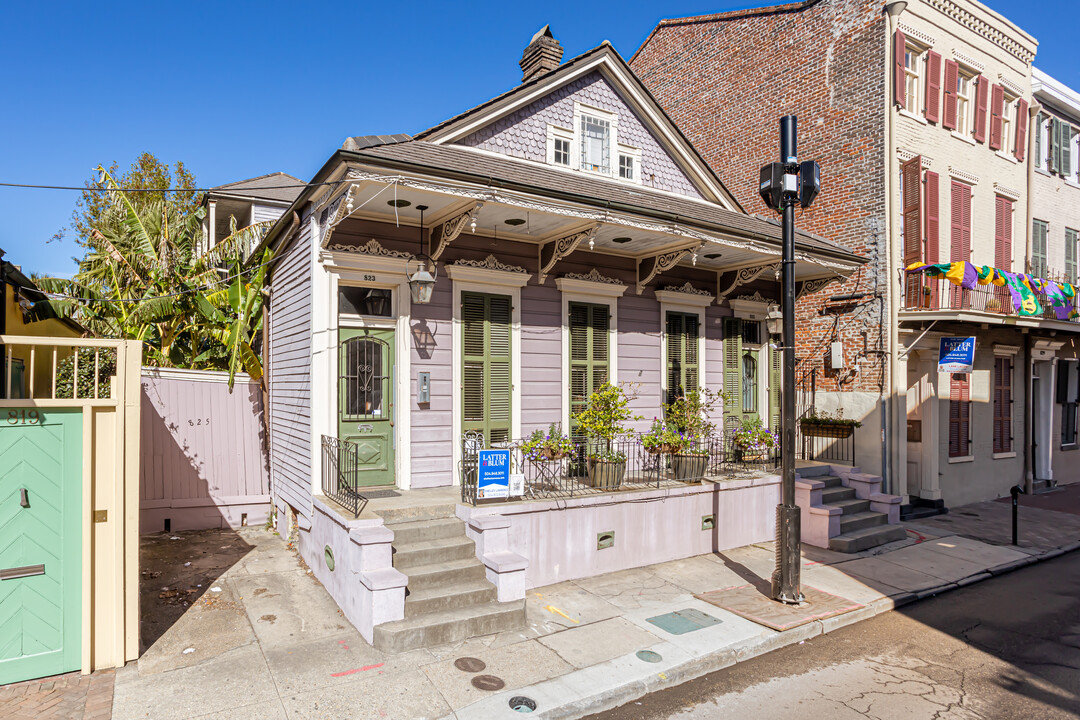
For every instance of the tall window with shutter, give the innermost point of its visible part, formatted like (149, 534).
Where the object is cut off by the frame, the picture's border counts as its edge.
(1039, 232)
(911, 197)
(589, 354)
(1003, 222)
(486, 364)
(997, 107)
(933, 225)
(900, 69)
(775, 375)
(682, 354)
(1067, 388)
(933, 86)
(960, 234)
(952, 71)
(1003, 371)
(1061, 160)
(959, 415)
(1020, 151)
(1070, 255)
(982, 95)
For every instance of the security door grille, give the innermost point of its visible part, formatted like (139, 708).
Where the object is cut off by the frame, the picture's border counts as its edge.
(365, 382)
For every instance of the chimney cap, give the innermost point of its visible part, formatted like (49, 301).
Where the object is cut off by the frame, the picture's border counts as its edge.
(544, 31)
(543, 54)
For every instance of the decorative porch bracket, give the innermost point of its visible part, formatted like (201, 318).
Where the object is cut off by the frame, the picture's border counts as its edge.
(450, 229)
(812, 286)
(744, 276)
(555, 250)
(660, 263)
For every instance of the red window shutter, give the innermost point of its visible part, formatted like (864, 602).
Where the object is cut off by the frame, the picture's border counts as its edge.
(960, 223)
(1002, 404)
(959, 416)
(951, 71)
(899, 84)
(933, 86)
(933, 217)
(1003, 222)
(1021, 129)
(997, 105)
(981, 101)
(911, 174)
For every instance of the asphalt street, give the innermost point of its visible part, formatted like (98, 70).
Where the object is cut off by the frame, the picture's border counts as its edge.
(1008, 647)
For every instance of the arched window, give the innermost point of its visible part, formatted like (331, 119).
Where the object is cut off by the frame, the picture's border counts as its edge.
(749, 384)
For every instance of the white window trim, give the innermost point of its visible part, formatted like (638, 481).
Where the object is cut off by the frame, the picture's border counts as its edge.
(919, 73)
(1042, 125)
(635, 154)
(497, 282)
(969, 105)
(917, 118)
(353, 270)
(963, 459)
(553, 132)
(581, 109)
(672, 301)
(596, 293)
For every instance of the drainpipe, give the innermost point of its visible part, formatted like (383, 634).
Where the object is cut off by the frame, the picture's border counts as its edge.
(889, 404)
(1029, 418)
(1034, 110)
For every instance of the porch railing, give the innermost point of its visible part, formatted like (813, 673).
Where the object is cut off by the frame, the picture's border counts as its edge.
(574, 474)
(340, 474)
(928, 294)
(825, 443)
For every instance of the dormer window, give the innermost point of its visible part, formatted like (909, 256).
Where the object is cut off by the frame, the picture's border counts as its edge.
(595, 144)
(626, 167)
(561, 152)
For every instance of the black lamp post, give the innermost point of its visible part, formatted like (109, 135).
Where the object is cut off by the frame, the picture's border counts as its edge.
(782, 185)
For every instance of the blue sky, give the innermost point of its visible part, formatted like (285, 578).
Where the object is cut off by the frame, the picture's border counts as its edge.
(238, 89)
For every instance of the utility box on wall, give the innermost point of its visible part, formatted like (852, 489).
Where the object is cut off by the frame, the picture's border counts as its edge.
(834, 359)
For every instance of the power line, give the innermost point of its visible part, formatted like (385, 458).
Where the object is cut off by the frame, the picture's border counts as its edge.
(172, 190)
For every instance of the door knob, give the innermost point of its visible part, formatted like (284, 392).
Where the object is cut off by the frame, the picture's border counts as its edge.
(24, 500)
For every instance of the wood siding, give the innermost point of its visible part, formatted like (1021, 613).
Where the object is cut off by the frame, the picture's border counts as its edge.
(290, 373)
(203, 462)
(541, 358)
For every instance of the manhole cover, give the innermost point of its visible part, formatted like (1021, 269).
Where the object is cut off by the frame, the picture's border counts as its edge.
(683, 621)
(488, 682)
(470, 664)
(649, 656)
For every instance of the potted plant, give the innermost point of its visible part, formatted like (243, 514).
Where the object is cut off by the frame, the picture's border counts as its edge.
(661, 438)
(689, 416)
(753, 441)
(552, 445)
(604, 421)
(818, 423)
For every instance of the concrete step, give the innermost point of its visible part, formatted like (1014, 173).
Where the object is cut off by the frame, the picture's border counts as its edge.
(860, 520)
(832, 495)
(391, 515)
(416, 531)
(830, 481)
(449, 626)
(456, 572)
(866, 538)
(430, 552)
(449, 597)
(851, 505)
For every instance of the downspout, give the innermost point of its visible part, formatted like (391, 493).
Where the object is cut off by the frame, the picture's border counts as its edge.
(889, 405)
(1029, 401)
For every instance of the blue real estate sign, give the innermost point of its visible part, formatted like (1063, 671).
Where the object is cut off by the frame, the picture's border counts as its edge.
(956, 355)
(493, 478)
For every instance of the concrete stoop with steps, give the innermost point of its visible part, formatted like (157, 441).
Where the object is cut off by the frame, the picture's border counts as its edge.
(844, 510)
(448, 596)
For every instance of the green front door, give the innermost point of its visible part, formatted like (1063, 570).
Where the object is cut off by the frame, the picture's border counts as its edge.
(40, 542)
(366, 403)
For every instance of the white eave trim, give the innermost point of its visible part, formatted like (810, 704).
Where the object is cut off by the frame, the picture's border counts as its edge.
(589, 287)
(674, 297)
(484, 276)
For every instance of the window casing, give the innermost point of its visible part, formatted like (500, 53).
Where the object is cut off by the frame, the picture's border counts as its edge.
(1067, 386)
(964, 102)
(913, 65)
(562, 152)
(1039, 232)
(683, 332)
(1007, 111)
(1041, 144)
(1070, 255)
(560, 146)
(589, 325)
(595, 144)
(959, 416)
(1003, 402)
(626, 167)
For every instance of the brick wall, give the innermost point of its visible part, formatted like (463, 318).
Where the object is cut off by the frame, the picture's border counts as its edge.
(726, 80)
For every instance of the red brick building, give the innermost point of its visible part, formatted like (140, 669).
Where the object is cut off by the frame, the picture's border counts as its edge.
(726, 79)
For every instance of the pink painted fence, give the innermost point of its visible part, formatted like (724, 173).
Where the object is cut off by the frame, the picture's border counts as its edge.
(203, 462)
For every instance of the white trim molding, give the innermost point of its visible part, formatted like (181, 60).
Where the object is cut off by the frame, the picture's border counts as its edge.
(963, 176)
(676, 299)
(968, 61)
(1006, 191)
(915, 33)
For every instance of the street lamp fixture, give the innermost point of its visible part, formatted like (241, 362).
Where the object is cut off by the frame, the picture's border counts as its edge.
(422, 275)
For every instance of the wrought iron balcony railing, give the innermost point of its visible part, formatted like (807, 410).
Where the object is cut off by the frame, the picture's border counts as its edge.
(922, 293)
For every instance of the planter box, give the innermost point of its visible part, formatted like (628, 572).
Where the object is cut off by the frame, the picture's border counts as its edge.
(826, 430)
(605, 475)
(689, 467)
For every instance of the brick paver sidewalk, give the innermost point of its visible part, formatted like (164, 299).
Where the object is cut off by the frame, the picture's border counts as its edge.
(63, 697)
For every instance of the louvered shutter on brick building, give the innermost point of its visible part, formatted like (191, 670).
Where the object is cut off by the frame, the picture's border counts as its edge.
(1021, 129)
(1003, 219)
(899, 77)
(997, 106)
(1003, 404)
(959, 416)
(933, 87)
(982, 95)
(951, 72)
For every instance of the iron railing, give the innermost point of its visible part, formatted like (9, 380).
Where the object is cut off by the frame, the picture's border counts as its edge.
(929, 294)
(827, 443)
(584, 471)
(340, 474)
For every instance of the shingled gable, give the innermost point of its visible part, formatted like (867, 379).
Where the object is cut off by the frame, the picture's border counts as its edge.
(616, 75)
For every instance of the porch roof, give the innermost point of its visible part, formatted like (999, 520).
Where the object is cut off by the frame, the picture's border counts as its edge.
(535, 178)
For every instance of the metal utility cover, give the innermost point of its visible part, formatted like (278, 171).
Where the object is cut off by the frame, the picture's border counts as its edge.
(681, 622)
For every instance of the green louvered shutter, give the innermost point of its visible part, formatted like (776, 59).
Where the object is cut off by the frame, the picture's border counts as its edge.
(775, 365)
(589, 353)
(682, 354)
(486, 365)
(1038, 248)
(732, 371)
(1070, 255)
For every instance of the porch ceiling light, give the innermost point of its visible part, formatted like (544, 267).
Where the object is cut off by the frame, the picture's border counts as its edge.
(712, 256)
(399, 203)
(621, 240)
(422, 271)
(514, 222)
(774, 320)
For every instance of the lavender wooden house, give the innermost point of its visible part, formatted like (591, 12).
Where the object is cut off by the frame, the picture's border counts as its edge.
(578, 238)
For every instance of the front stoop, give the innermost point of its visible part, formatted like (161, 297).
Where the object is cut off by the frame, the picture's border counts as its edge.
(448, 598)
(860, 527)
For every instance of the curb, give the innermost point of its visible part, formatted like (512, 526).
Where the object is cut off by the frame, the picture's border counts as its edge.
(546, 693)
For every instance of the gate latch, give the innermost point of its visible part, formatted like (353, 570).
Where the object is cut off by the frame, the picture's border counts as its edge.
(24, 499)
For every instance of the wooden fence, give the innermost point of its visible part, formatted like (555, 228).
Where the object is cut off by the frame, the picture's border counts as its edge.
(204, 460)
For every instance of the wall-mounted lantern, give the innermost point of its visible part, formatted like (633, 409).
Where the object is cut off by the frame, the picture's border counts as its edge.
(422, 271)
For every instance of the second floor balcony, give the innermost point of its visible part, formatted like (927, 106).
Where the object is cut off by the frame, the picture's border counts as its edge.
(940, 298)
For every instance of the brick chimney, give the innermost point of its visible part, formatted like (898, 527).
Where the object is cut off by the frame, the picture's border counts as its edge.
(543, 54)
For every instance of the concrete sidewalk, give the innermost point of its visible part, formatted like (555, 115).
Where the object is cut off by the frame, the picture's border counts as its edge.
(266, 639)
